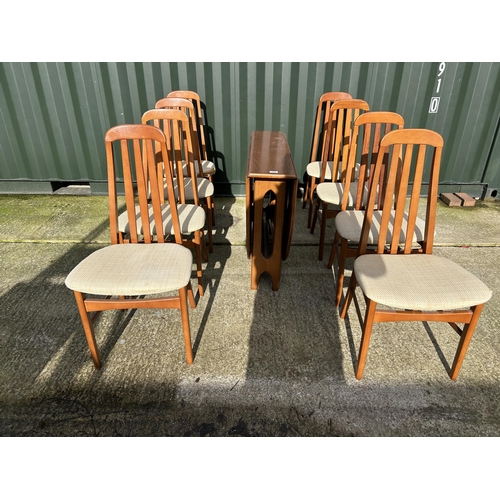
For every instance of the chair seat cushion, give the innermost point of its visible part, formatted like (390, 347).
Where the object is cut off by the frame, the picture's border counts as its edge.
(133, 269)
(191, 218)
(332, 192)
(207, 166)
(314, 169)
(205, 187)
(418, 281)
(350, 222)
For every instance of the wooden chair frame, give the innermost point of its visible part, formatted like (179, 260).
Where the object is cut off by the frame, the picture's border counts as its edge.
(402, 144)
(145, 162)
(199, 133)
(176, 127)
(373, 125)
(342, 116)
(320, 132)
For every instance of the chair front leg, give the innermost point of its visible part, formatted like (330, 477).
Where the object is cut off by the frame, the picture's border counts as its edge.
(365, 337)
(465, 339)
(88, 328)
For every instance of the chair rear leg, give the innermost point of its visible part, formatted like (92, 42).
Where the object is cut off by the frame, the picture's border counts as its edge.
(209, 224)
(88, 328)
(322, 232)
(333, 253)
(306, 192)
(183, 295)
(341, 269)
(465, 339)
(365, 337)
(312, 188)
(199, 240)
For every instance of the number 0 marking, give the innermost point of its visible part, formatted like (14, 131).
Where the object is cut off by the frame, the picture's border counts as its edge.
(433, 108)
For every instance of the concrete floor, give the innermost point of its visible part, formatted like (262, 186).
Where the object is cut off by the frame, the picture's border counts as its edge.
(266, 363)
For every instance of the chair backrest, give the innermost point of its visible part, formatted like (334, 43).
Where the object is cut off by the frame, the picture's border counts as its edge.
(341, 118)
(130, 155)
(198, 126)
(187, 107)
(414, 159)
(368, 130)
(321, 123)
(178, 132)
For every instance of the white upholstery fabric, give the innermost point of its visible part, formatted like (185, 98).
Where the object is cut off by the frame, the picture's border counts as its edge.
(418, 281)
(314, 169)
(207, 166)
(350, 222)
(332, 192)
(205, 187)
(191, 218)
(133, 269)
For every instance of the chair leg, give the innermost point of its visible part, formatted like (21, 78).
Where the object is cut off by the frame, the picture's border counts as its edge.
(465, 339)
(312, 226)
(322, 233)
(310, 197)
(349, 295)
(208, 212)
(365, 338)
(199, 239)
(341, 269)
(88, 328)
(306, 193)
(333, 253)
(183, 293)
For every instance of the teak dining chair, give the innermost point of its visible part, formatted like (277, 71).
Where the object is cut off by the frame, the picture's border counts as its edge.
(120, 275)
(208, 167)
(342, 116)
(313, 169)
(369, 128)
(411, 286)
(204, 185)
(192, 216)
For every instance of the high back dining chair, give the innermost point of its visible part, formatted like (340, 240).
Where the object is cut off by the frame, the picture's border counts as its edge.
(313, 169)
(208, 167)
(192, 216)
(343, 114)
(147, 265)
(369, 128)
(205, 187)
(411, 286)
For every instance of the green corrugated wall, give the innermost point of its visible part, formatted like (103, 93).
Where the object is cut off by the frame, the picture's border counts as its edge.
(54, 115)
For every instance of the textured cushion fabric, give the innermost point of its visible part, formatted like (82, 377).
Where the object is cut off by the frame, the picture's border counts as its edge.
(191, 218)
(205, 187)
(314, 169)
(418, 281)
(133, 269)
(207, 166)
(349, 224)
(332, 192)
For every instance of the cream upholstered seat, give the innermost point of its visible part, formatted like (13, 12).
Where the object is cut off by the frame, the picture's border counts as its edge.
(410, 286)
(418, 282)
(342, 116)
(367, 132)
(132, 270)
(349, 224)
(333, 193)
(128, 274)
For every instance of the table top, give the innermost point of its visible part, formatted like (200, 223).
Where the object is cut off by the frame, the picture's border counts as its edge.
(269, 156)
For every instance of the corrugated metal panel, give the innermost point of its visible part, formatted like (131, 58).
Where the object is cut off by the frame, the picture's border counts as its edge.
(54, 115)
